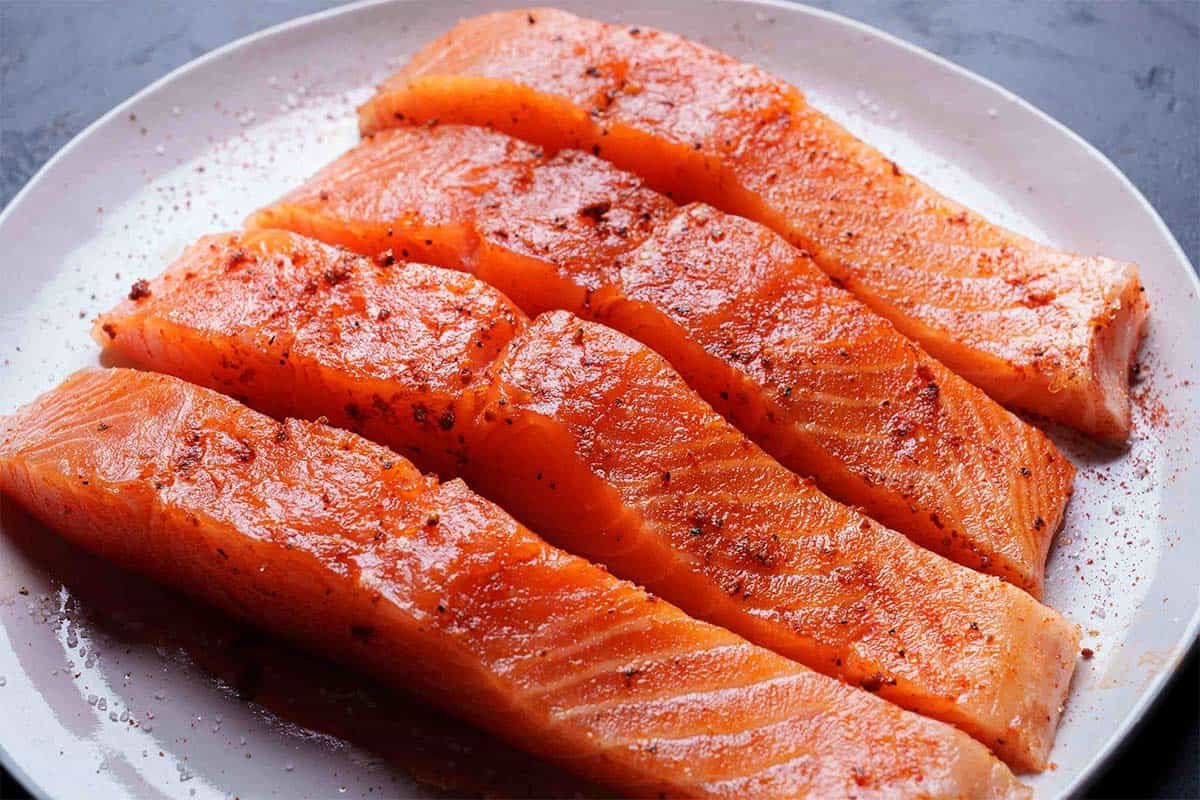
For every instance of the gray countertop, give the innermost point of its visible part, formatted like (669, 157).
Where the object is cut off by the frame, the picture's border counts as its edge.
(1125, 75)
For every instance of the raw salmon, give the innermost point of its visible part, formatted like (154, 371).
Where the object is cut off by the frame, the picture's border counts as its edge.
(345, 547)
(347, 337)
(594, 441)
(815, 377)
(1039, 329)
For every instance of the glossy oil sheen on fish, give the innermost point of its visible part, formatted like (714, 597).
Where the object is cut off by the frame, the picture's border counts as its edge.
(1039, 329)
(345, 547)
(816, 378)
(595, 442)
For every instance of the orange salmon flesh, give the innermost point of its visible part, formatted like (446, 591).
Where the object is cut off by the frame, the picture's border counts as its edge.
(811, 374)
(345, 547)
(595, 442)
(1039, 329)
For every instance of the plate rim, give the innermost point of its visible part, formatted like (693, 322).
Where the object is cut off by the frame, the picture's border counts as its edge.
(1119, 738)
(1184, 647)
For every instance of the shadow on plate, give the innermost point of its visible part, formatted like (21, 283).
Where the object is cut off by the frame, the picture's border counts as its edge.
(443, 755)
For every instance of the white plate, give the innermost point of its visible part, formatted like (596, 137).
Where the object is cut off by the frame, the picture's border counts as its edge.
(89, 654)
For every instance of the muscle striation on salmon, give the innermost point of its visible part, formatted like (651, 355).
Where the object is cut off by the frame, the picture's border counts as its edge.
(593, 440)
(345, 547)
(1039, 329)
(817, 379)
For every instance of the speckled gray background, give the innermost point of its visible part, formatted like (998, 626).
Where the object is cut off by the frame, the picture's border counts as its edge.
(1125, 75)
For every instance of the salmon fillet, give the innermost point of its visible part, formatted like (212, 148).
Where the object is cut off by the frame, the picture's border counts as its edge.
(343, 546)
(814, 376)
(595, 442)
(1039, 329)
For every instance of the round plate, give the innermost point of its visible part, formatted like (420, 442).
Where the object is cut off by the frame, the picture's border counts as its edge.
(122, 689)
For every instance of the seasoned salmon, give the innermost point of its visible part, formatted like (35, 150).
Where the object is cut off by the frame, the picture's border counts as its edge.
(335, 329)
(594, 441)
(1039, 329)
(345, 547)
(812, 375)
